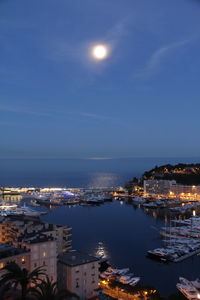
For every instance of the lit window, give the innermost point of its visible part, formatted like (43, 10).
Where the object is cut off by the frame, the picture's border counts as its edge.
(23, 260)
(44, 254)
(1, 265)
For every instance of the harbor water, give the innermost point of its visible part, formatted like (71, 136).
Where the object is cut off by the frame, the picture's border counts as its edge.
(126, 232)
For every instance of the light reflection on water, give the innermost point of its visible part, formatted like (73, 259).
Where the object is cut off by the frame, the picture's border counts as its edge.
(103, 180)
(101, 250)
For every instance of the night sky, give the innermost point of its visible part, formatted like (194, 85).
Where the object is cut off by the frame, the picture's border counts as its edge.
(57, 101)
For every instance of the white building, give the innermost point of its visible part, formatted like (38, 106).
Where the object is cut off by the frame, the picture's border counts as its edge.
(156, 187)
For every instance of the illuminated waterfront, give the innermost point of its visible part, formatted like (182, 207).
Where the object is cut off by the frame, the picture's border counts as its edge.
(127, 232)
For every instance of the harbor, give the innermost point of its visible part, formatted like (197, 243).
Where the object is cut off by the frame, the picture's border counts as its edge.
(122, 225)
(174, 236)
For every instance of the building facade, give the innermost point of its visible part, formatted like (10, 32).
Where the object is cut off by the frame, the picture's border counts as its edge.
(9, 253)
(172, 189)
(43, 241)
(185, 191)
(78, 273)
(14, 227)
(158, 187)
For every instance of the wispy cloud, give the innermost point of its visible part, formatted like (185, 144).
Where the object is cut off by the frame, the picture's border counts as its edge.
(13, 109)
(91, 115)
(82, 114)
(118, 31)
(154, 64)
(52, 113)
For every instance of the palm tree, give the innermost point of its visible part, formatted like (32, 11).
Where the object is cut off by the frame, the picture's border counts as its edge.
(48, 290)
(18, 276)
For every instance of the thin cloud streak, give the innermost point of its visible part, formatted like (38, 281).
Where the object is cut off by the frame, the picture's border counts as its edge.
(12, 109)
(153, 66)
(93, 116)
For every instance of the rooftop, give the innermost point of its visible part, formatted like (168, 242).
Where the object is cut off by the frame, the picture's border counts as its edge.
(35, 238)
(75, 258)
(33, 221)
(7, 250)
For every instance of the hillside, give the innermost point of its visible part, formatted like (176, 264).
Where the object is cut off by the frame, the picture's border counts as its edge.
(188, 174)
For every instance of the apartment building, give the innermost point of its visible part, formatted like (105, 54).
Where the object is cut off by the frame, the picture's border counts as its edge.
(43, 253)
(156, 187)
(43, 241)
(186, 191)
(13, 227)
(78, 273)
(172, 189)
(9, 253)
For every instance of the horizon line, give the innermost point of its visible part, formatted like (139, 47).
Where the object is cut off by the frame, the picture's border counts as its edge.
(105, 158)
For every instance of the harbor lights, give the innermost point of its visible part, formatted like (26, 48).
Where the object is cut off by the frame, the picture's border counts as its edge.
(194, 214)
(198, 296)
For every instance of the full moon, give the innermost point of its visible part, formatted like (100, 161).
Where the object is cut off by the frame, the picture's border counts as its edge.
(100, 52)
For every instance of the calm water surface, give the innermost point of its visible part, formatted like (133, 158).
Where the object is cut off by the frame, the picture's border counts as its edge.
(127, 233)
(77, 172)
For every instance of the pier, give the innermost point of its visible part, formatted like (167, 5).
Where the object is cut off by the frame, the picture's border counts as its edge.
(187, 256)
(120, 292)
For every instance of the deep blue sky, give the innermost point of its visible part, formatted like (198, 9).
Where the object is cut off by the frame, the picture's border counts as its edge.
(56, 101)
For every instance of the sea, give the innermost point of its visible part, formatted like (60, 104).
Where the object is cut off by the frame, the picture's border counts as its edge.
(125, 231)
(78, 172)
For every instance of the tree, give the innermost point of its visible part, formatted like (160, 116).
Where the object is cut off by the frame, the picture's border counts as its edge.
(20, 276)
(48, 290)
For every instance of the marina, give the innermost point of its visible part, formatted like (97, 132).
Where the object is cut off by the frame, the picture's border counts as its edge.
(181, 241)
(122, 226)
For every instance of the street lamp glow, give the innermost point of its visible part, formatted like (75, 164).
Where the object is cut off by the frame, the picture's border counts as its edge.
(100, 52)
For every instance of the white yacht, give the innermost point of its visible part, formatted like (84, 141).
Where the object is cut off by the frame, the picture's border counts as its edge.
(190, 289)
(129, 280)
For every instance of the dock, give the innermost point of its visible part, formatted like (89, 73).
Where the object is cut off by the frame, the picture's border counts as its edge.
(192, 253)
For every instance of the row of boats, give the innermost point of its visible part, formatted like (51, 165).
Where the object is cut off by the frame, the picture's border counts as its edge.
(174, 253)
(176, 206)
(180, 241)
(155, 203)
(67, 197)
(184, 208)
(190, 289)
(13, 210)
(120, 275)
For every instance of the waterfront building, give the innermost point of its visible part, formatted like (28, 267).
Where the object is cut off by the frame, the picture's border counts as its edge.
(185, 191)
(172, 189)
(158, 187)
(78, 273)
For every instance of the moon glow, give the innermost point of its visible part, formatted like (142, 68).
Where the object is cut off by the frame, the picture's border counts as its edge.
(100, 52)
